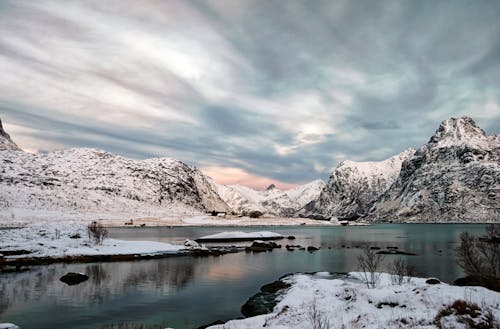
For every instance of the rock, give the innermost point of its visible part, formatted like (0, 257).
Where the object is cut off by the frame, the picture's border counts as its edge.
(75, 236)
(290, 237)
(374, 248)
(264, 301)
(454, 177)
(260, 246)
(72, 278)
(432, 281)
(353, 187)
(311, 248)
(191, 244)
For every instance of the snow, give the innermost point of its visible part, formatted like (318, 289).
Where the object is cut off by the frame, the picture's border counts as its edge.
(242, 235)
(8, 326)
(375, 171)
(271, 201)
(89, 184)
(347, 303)
(53, 240)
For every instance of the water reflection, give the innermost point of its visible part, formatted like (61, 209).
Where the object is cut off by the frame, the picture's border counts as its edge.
(184, 292)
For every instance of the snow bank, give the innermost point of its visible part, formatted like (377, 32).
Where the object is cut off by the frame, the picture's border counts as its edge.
(65, 239)
(8, 326)
(346, 302)
(237, 235)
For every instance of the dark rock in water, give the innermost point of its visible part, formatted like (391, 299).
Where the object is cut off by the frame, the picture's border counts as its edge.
(72, 278)
(490, 283)
(260, 246)
(432, 281)
(395, 252)
(211, 324)
(374, 248)
(291, 237)
(311, 248)
(264, 301)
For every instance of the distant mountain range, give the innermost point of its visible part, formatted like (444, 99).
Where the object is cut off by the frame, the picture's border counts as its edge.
(454, 177)
(284, 203)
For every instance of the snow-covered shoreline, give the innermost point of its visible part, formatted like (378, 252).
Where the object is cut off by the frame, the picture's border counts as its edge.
(59, 240)
(344, 301)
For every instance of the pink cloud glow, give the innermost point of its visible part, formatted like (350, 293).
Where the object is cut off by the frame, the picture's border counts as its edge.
(231, 176)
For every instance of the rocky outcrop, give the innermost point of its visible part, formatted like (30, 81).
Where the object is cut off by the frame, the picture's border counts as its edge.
(354, 186)
(454, 177)
(6, 142)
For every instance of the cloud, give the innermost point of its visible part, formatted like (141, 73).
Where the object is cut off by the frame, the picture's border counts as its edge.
(278, 90)
(233, 176)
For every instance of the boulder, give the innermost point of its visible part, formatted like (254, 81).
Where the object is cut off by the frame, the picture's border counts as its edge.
(260, 246)
(432, 281)
(72, 278)
(311, 248)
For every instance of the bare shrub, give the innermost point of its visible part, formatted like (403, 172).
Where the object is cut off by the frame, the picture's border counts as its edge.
(97, 233)
(480, 256)
(318, 319)
(369, 262)
(467, 313)
(400, 272)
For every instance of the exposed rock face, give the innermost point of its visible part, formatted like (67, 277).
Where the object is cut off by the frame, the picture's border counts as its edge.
(91, 183)
(273, 201)
(353, 186)
(454, 177)
(5, 142)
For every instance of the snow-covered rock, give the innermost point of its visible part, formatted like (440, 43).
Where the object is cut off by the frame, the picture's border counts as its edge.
(353, 186)
(273, 201)
(344, 301)
(237, 235)
(89, 183)
(6, 142)
(454, 177)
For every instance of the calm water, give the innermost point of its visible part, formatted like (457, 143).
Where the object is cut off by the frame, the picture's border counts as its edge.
(185, 292)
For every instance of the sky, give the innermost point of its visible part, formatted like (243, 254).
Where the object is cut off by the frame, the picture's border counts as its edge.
(251, 92)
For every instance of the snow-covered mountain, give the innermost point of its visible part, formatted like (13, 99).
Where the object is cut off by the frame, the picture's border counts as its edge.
(6, 142)
(273, 201)
(454, 177)
(83, 183)
(353, 186)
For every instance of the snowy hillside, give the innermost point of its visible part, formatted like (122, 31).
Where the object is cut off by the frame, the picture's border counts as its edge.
(6, 142)
(454, 177)
(91, 184)
(274, 201)
(353, 186)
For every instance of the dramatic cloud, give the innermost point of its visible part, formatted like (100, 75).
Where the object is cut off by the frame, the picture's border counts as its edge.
(251, 91)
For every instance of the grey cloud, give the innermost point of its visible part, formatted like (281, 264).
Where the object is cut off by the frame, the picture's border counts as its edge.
(414, 63)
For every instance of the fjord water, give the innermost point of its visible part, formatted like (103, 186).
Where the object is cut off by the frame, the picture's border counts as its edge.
(186, 292)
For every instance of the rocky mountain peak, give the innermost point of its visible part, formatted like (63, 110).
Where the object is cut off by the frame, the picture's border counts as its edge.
(5, 142)
(271, 187)
(455, 131)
